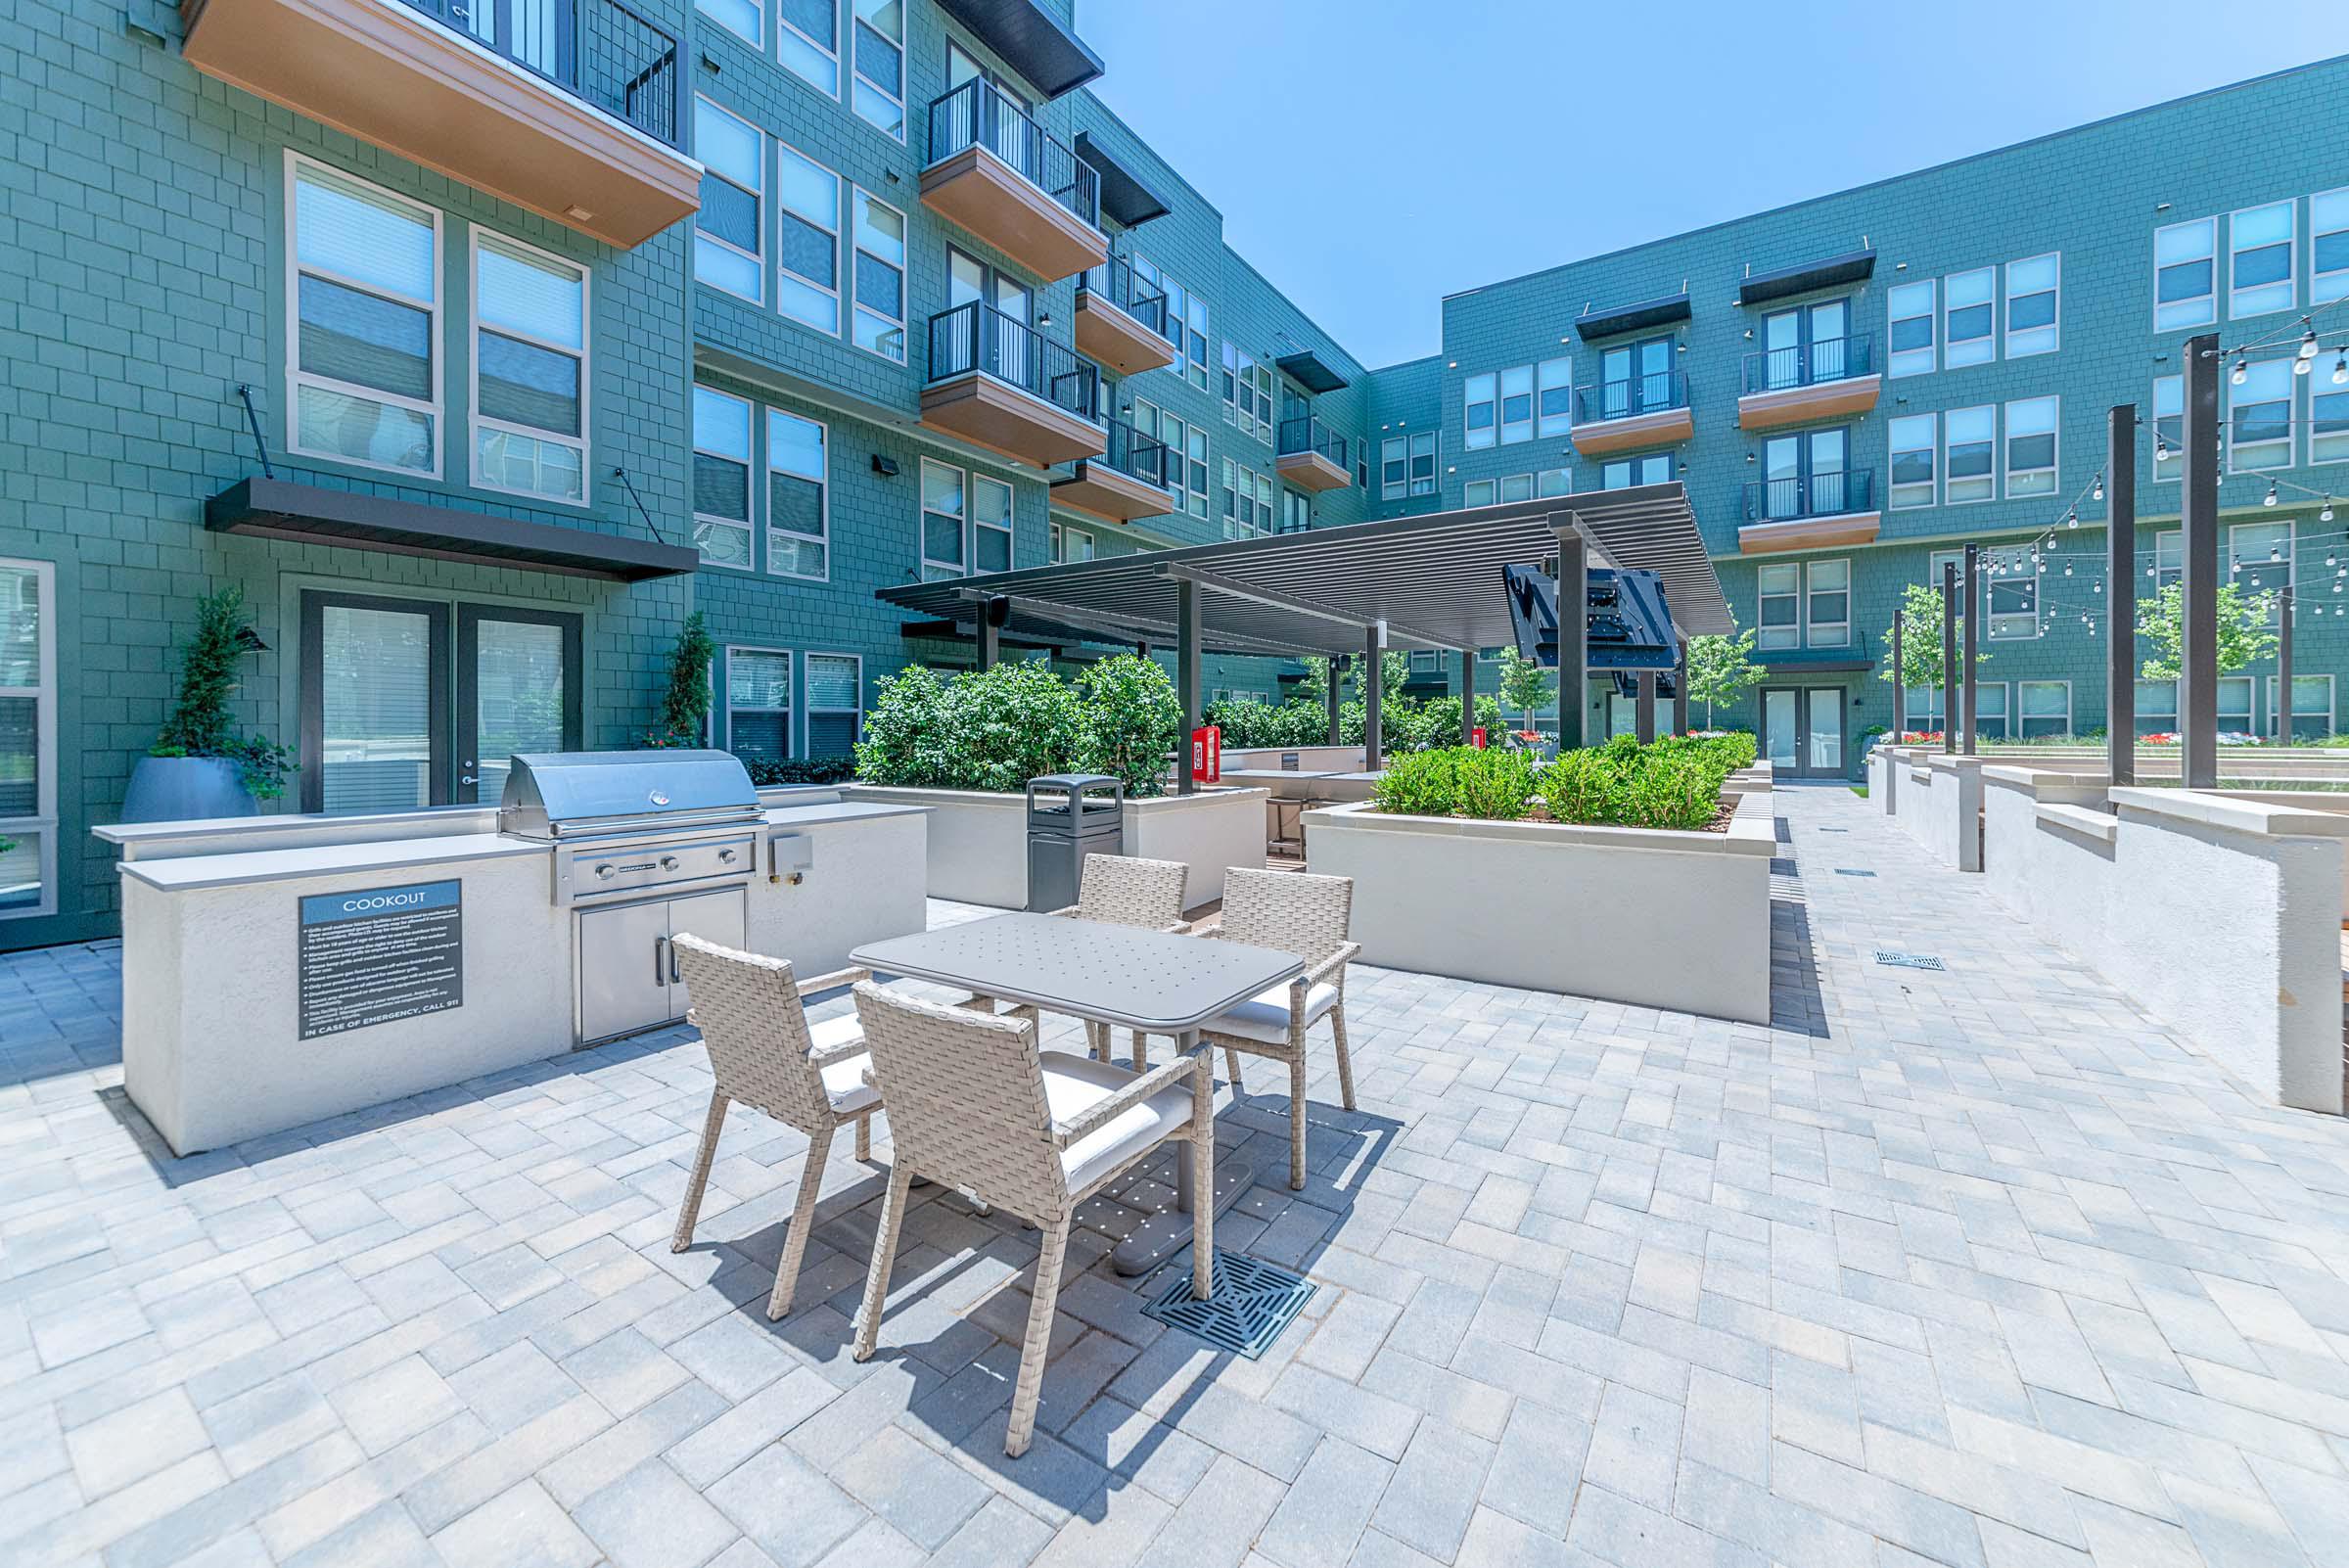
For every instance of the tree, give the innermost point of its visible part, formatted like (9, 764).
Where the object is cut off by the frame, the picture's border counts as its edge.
(201, 724)
(1524, 684)
(1921, 640)
(2244, 635)
(685, 706)
(1721, 670)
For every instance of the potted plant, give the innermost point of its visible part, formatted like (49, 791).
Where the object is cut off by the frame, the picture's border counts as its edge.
(202, 764)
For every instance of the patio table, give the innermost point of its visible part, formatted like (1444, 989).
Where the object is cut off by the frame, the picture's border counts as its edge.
(1123, 976)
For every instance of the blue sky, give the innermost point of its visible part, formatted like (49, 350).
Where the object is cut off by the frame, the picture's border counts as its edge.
(1371, 156)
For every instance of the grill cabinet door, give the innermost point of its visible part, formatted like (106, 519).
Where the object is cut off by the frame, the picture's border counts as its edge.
(711, 916)
(624, 970)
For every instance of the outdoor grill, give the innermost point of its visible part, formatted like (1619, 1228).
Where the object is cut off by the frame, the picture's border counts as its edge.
(647, 846)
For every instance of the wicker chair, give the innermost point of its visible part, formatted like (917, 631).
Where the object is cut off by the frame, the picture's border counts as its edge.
(974, 1105)
(1296, 912)
(1122, 891)
(765, 1053)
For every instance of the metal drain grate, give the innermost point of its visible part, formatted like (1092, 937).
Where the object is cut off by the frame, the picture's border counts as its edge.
(1847, 871)
(1254, 1300)
(1906, 960)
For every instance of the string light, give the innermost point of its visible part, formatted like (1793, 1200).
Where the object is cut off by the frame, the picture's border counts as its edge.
(2241, 371)
(2308, 352)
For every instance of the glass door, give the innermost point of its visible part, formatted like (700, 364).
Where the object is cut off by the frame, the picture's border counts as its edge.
(1823, 723)
(518, 690)
(1780, 724)
(374, 702)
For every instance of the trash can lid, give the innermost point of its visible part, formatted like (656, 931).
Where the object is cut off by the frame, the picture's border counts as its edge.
(1075, 780)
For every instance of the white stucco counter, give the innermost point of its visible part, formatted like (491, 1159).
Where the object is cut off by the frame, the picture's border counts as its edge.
(278, 970)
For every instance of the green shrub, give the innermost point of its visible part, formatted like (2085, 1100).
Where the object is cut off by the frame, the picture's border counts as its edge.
(1457, 781)
(769, 772)
(1132, 722)
(1674, 782)
(997, 729)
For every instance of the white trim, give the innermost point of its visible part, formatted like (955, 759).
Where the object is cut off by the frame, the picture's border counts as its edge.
(822, 482)
(1469, 401)
(477, 420)
(759, 6)
(784, 23)
(699, 234)
(857, 75)
(2292, 252)
(2212, 256)
(1549, 425)
(790, 694)
(1892, 453)
(1009, 528)
(2176, 454)
(1989, 340)
(2325, 287)
(1792, 629)
(2290, 444)
(840, 215)
(1516, 432)
(2005, 446)
(905, 270)
(2331, 691)
(44, 740)
(921, 544)
(1932, 319)
(297, 377)
(1996, 455)
(748, 522)
(2054, 328)
(2020, 718)
(1843, 636)
(807, 708)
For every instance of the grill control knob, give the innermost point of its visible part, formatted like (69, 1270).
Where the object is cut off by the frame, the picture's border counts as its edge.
(668, 862)
(606, 871)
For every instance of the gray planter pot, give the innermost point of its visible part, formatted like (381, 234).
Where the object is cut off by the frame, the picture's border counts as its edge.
(179, 789)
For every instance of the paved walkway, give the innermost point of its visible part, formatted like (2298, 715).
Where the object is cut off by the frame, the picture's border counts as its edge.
(1973, 1267)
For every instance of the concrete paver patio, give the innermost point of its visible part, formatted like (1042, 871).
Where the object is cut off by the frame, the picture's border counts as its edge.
(1976, 1266)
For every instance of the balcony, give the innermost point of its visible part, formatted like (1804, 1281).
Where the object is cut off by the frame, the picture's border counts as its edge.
(1808, 512)
(568, 108)
(1832, 379)
(1120, 320)
(998, 382)
(1622, 416)
(1311, 456)
(1126, 482)
(1001, 176)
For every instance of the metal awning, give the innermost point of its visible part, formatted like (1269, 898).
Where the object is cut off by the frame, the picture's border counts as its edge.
(1631, 317)
(1783, 283)
(1031, 40)
(280, 508)
(1434, 581)
(1123, 195)
(1311, 370)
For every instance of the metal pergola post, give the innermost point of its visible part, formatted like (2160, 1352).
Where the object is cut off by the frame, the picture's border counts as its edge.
(1899, 685)
(2198, 672)
(1467, 696)
(1948, 657)
(991, 639)
(1573, 634)
(1188, 634)
(2284, 663)
(1374, 680)
(2120, 585)
(1645, 723)
(1337, 674)
(1972, 629)
(1680, 686)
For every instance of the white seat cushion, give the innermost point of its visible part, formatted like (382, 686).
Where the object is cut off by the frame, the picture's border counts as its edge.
(1074, 1084)
(1264, 1016)
(844, 1080)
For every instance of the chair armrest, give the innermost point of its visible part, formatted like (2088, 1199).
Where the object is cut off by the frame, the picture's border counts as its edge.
(825, 1055)
(1210, 933)
(1328, 966)
(833, 981)
(1181, 928)
(1165, 1076)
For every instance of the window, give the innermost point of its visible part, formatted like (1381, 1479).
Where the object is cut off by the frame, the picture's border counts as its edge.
(2259, 260)
(2259, 417)
(1479, 493)
(739, 17)
(1483, 408)
(2259, 562)
(1968, 325)
(880, 88)
(1827, 604)
(2169, 559)
(1804, 346)
(1553, 482)
(1637, 378)
(2329, 258)
(1172, 318)
(365, 371)
(727, 232)
(2329, 420)
(1071, 543)
(880, 277)
(1625, 473)
(1910, 328)
(835, 703)
(1169, 431)
(1913, 438)
(1194, 445)
(758, 703)
(1922, 709)
(2043, 707)
(2311, 704)
(2169, 426)
(941, 521)
(1407, 465)
(721, 477)
(1517, 487)
(1779, 586)
(1516, 405)
(2012, 607)
(2185, 275)
(1296, 512)
(1969, 436)
(1805, 475)
(2235, 705)
(1990, 708)
(529, 370)
(1238, 364)
(2033, 326)
(1198, 367)
(2156, 707)
(796, 496)
(27, 739)
(2031, 446)
(808, 286)
(1553, 408)
(990, 524)
(807, 39)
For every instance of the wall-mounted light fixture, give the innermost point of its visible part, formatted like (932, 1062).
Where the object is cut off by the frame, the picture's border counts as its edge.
(886, 467)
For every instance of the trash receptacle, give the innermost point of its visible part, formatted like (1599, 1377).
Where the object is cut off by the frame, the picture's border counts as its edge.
(1069, 816)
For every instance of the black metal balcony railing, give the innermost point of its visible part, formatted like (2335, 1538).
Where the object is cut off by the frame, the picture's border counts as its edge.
(1829, 494)
(1134, 454)
(1808, 364)
(977, 114)
(1651, 394)
(1114, 280)
(977, 336)
(597, 50)
(1304, 433)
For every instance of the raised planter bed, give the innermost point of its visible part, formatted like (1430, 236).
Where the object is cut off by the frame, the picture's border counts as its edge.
(1310, 759)
(978, 849)
(1651, 917)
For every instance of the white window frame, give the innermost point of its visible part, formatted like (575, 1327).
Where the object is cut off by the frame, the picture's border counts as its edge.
(757, 258)
(1778, 638)
(1893, 453)
(44, 739)
(2006, 436)
(2023, 719)
(1516, 487)
(1904, 361)
(2290, 284)
(2251, 576)
(1480, 492)
(2331, 693)
(1195, 452)
(1195, 317)
(751, 473)
(791, 695)
(857, 75)
(784, 24)
(1548, 425)
(904, 277)
(1470, 401)
(840, 215)
(802, 691)
(759, 6)
(1546, 486)
(921, 544)
(477, 420)
(1812, 637)
(2263, 370)
(1395, 451)
(2168, 470)
(2248, 685)
(1987, 344)
(2030, 335)
(1993, 705)
(2006, 626)
(824, 484)
(1516, 431)
(297, 377)
(1064, 533)
(2325, 287)
(2209, 314)
(1949, 474)
(1010, 530)
(1435, 458)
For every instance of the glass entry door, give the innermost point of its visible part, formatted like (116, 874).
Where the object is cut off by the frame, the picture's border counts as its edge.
(518, 690)
(1802, 731)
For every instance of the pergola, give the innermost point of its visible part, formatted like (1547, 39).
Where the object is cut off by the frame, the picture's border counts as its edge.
(1431, 582)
